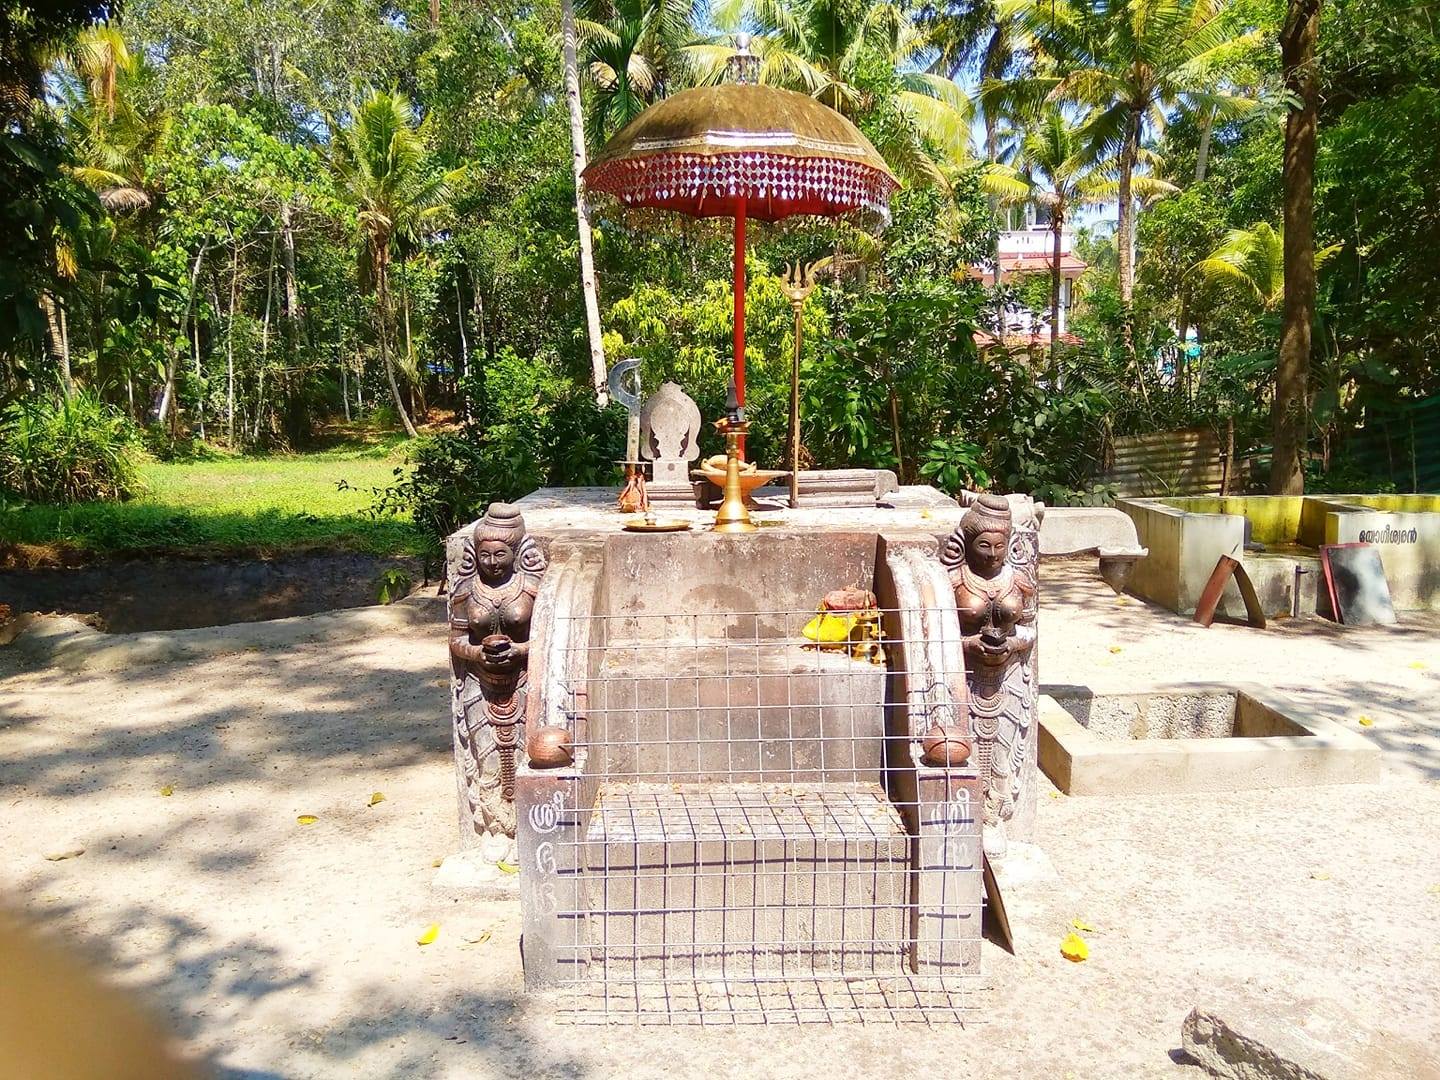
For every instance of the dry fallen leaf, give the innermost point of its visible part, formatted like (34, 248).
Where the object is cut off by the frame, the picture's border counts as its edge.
(430, 934)
(437, 862)
(477, 939)
(507, 868)
(1074, 949)
(68, 853)
(376, 797)
(307, 819)
(1365, 721)
(168, 790)
(1082, 926)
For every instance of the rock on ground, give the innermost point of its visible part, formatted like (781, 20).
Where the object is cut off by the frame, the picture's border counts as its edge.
(1250, 1039)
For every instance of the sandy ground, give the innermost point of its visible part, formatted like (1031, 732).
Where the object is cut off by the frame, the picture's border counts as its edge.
(279, 950)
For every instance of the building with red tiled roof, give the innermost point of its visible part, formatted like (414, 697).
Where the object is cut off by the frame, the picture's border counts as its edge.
(1032, 251)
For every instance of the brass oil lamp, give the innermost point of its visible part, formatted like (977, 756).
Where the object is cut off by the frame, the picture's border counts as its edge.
(733, 515)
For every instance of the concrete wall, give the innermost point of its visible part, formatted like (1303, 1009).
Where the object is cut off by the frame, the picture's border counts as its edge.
(1186, 538)
(1409, 546)
(1184, 548)
(1273, 519)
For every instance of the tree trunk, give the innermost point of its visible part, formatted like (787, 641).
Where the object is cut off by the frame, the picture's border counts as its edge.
(434, 14)
(1202, 155)
(1125, 239)
(167, 399)
(230, 353)
(199, 374)
(59, 346)
(582, 215)
(382, 299)
(1057, 225)
(992, 151)
(292, 324)
(464, 373)
(264, 341)
(1125, 228)
(1182, 329)
(1292, 374)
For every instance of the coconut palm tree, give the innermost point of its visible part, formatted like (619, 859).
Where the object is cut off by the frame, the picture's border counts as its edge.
(633, 50)
(383, 172)
(112, 134)
(974, 37)
(823, 47)
(1129, 64)
(1252, 262)
(1053, 170)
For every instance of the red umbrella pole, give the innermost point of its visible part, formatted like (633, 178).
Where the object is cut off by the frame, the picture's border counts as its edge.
(740, 309)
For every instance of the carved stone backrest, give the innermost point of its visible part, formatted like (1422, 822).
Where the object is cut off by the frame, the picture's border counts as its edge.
(670, 425)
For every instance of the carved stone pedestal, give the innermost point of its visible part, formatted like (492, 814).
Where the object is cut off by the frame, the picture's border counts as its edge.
(670, 439)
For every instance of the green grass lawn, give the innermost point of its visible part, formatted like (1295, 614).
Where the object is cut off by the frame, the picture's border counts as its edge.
(233, 505)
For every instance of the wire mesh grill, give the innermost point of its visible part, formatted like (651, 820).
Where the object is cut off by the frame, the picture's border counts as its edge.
(749, 839)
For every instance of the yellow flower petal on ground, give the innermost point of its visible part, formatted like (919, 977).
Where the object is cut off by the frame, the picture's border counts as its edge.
(1074, 949)
(1365, 721)
(376, 797)
(1082, 926)
(1319, 875)
(168, 790)
(1114, 648)
(507, 868)
(307, 819)
(430, 934)
(1418, 665)
(477, 939)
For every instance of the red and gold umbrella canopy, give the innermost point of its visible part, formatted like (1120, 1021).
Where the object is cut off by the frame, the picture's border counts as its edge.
(740, 150)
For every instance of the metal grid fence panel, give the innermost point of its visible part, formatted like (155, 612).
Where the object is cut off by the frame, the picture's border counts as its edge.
(747, 837)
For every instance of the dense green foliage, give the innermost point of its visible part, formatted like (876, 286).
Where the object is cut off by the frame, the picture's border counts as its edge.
(224, 504)
(239, 221)
(68, 449)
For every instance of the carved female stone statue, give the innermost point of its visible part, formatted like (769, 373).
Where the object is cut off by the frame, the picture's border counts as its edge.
(490, 611)
(995, 594)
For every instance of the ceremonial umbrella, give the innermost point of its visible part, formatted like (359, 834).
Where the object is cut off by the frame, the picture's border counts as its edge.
(741, 150)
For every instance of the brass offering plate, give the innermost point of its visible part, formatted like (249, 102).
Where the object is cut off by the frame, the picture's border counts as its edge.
(651, 525)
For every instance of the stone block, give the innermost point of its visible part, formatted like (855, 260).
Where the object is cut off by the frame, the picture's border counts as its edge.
(716, 712)
(950, 886)
(702, 880)
(1256, 1039)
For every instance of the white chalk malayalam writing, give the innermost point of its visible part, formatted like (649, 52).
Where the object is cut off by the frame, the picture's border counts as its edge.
(1387, 535)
